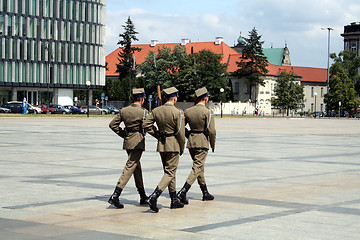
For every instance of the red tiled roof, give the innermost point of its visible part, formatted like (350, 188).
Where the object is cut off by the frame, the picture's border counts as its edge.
(307, 74)
(222, 48)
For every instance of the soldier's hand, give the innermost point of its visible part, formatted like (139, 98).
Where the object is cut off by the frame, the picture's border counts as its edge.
(157, 135)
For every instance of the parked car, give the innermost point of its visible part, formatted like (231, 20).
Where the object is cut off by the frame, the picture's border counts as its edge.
(354, 113)
(44, 108)
(4, 110)
(60, 109)
(112, 110)
(342, 114)
(36, 109)
(318, 114)
(96, 110)
(16, 107)
(74, 109)
(330, 114)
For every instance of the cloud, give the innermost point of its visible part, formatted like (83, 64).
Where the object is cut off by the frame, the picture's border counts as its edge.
(296, 22)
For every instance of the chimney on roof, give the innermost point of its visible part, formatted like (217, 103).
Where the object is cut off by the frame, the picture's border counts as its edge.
(184, 41)
(153, 43)
(218, 40)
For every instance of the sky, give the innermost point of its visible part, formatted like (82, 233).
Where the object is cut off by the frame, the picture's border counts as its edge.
(295, 23)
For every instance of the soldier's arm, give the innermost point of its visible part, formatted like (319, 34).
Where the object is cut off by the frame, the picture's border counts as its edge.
(148, 126)
(211, 131)
(187, 132)
(115, 126)
(180, 130)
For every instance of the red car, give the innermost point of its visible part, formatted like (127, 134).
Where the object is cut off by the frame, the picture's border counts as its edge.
(43, 108)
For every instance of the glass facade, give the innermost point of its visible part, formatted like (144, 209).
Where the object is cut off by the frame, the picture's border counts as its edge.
(56, 42)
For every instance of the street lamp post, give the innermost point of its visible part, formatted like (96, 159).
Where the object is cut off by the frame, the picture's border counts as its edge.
(88, 83)
(222, 91)
(328, 64)
(315, 94)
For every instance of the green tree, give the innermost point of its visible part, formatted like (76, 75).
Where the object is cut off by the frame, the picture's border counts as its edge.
(253, 62)
(288, 91)
(210, 73)
(160, 68)
(351, 63)
(186, 72)
(341, 89)
(126, 65)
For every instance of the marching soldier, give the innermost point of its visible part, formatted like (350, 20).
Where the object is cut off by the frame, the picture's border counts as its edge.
(201, 122)
(171, 143)
(134, 143)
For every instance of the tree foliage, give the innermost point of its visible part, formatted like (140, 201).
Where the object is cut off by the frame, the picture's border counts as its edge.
(203, 69)
(253, 63)
(342, 87)
(160, 68)
(289, 92)
(126, 63)
(350, 61)
(185, 71)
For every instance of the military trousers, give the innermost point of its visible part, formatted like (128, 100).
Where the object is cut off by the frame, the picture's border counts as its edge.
(198, 156)
(132, 167)
(170, 161)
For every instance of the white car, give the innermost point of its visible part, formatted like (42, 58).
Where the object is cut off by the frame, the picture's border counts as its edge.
(4, 110)
(36, 109)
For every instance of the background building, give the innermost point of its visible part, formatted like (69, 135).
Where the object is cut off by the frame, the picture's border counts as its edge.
(49, 48)
(313, 79)
(352, 37)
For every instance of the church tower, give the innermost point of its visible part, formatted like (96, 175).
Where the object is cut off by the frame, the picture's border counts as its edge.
(286, 57)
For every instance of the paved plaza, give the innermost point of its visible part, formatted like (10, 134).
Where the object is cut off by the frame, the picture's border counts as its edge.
(272, 178)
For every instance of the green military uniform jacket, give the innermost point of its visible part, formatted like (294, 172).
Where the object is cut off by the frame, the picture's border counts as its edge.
(133, 117)
(202, 125)
(169, 120)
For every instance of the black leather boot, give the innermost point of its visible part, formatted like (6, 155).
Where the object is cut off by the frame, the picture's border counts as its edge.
(175, 203)
(143, 196)
(182, 193)
(206, 195)
(114, 199)
(152, 200)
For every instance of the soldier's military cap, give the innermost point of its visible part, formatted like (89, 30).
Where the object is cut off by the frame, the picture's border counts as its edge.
(201, 92)
(138, 92)
(171, 92)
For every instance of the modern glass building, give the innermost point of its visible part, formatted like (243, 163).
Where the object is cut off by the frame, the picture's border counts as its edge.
(49, 48)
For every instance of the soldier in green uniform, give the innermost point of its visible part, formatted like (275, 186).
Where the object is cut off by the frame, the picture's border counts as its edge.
(202, 131)
(134, 143)
(171, 142)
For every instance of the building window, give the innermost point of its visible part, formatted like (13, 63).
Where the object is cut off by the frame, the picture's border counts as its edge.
(322, 92)
(353, 47)
(248, 89)
(237, 88)
(312, 107)
(312, 91)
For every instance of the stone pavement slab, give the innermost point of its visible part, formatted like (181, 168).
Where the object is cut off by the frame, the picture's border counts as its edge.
(272, 178)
